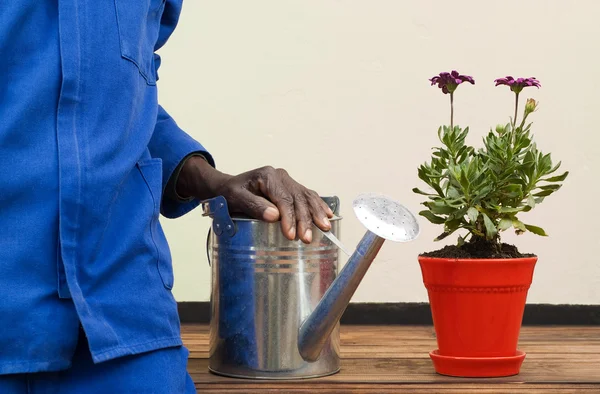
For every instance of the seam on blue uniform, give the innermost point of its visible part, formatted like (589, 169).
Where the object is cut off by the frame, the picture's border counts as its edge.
(156, 211)
(119, 351)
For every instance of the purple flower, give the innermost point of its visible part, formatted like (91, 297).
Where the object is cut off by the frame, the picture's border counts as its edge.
(449, 81)
(516, 85)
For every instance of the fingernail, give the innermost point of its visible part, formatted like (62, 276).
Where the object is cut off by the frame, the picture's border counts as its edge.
(327, 222)
(292, 233)
(308, 235)
(271, 214)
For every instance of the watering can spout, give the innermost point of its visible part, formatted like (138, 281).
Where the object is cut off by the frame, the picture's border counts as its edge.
(316, 329)
(384, 219)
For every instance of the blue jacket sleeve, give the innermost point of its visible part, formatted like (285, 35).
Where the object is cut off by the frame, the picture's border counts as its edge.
(173, 146)
(169, 142)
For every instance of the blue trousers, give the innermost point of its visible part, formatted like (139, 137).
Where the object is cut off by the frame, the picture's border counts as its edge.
(161, 371)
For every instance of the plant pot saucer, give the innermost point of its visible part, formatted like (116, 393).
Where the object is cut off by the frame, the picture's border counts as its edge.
(477, 367)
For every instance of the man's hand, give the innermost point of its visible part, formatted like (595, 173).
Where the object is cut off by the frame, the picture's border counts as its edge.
(266, 193)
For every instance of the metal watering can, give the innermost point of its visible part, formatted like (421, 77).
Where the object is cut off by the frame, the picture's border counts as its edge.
(276, 303)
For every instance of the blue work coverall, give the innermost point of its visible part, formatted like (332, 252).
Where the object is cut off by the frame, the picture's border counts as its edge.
(86, 159)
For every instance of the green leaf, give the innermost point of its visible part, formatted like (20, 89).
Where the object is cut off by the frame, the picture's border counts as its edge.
(558, 178)
(461, 241)
(531, 201)
(544, 193)
(439, 208)
(545, 163)
(483, 192)
(456, 203)
(536, 230)
(553, 169)
(418, 191)
(524, 143)
(441, 236)
(437, 189)
(446, 136)
(453, 225)
(529, 164)
(432, 218)
(490, 228)
(510, 210)
(424, 175)
(513, 188)
(453, 193)
(519, 226)
(463, 179)
(472, 213)
(505, 224)
(550, 187)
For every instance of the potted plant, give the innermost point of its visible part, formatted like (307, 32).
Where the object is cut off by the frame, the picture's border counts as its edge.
(478, 287)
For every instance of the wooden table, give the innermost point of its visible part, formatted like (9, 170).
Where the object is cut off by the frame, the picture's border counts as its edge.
(394, 359)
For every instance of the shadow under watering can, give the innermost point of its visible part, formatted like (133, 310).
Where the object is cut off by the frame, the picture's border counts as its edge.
(276, 303)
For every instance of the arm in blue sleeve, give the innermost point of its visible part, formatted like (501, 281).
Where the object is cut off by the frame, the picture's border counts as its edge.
(169, 142)
(174, 146)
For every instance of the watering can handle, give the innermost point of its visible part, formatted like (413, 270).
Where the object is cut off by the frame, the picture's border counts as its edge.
(217, 209)
(333, 203)
(208, 246)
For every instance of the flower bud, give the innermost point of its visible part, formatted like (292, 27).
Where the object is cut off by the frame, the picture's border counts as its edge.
(500, 129)
(530, 106)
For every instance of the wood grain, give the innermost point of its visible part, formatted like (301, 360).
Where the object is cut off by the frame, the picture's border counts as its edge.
(393, 359)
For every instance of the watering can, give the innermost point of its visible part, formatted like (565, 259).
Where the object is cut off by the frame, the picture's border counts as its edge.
(276, 303)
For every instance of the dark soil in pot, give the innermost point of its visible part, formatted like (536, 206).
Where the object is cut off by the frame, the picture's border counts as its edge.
(478, 248)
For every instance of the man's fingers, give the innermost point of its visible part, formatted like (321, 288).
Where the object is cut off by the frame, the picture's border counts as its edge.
(303, 218)
(284, 199)
(319, 211)
(255, 206)
(330, 213)
(271, 185)
(288, 217)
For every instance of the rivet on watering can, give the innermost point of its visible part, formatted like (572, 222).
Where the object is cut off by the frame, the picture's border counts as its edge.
(229, 227)
(218, 225)
(221, 205)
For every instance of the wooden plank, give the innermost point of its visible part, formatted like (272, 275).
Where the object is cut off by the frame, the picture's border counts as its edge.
(423, 355)
(426, 330)
(394, 359)
(410, 389)
(534, 352)
(421, 371)
(374, 334)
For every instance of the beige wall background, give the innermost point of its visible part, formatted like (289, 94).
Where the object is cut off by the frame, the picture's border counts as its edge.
(336, 92)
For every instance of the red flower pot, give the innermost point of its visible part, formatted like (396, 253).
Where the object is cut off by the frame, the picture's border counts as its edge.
(477, 309)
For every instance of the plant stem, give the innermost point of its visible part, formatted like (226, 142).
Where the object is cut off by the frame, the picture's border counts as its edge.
(451, 111)
(516, 109)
